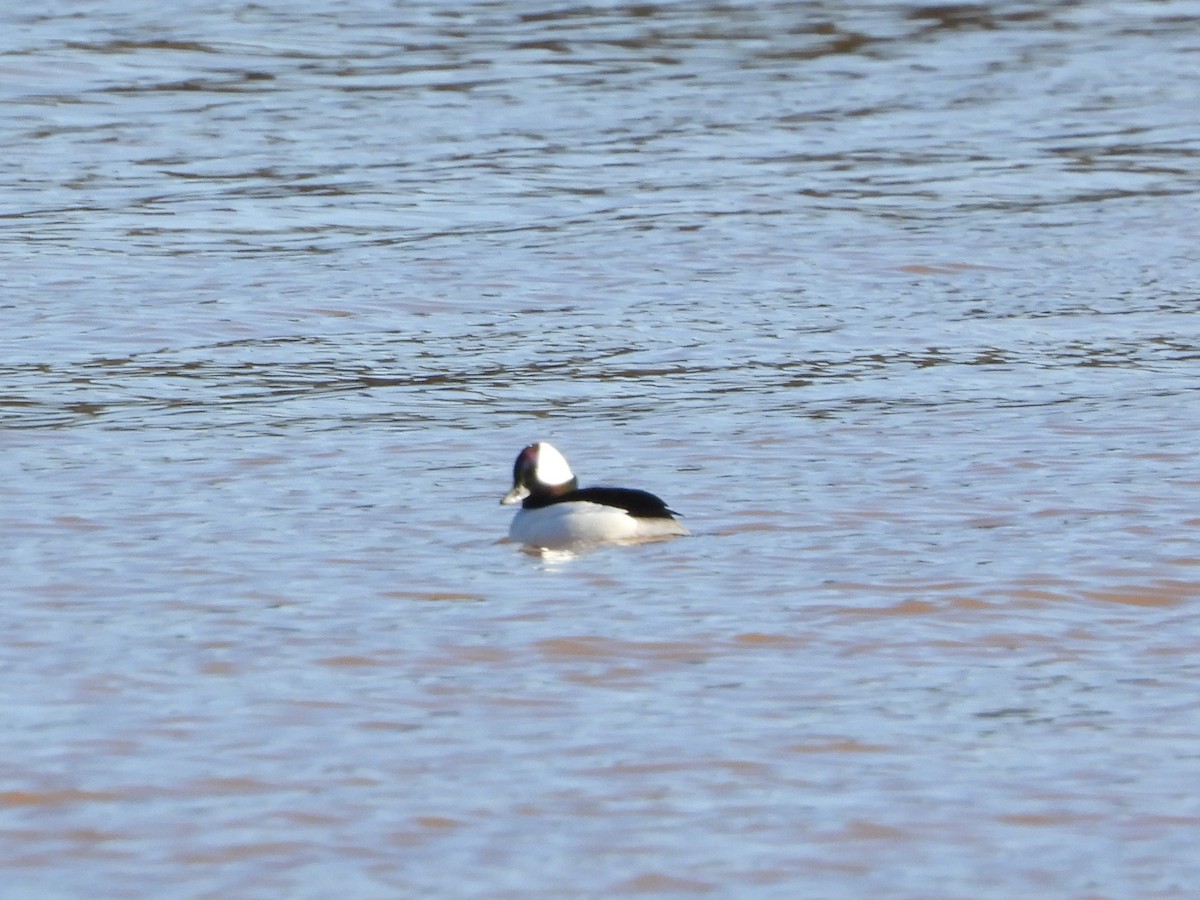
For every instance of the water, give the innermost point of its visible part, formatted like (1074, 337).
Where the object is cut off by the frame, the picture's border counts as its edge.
(896, 303)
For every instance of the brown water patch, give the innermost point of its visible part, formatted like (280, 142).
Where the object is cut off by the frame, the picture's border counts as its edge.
(176, 733)
(910, 607)
(623, 676)
(1051, 820)
(1168, 592)
(1186, 649)
(594, 647)
(377, 725)
(759, 639)
(627, 663)
(1079, 512)
(951, 268)
(92, 835)
(309, 703)
(972, 604)
(335, 313)
(985, 523)
(424, 829)
(238, 852)
(113, 747)
(660, 883)
(1032, 596)
(61, 797)
(1183, 561)
(60, 594)
(435, 596)
(253, 462)
(766, 876)
(518, 702)
(310, 818)
(862, 830)
(865, 830)
(752, 527)
(839, 745)
(349, 662)
(762, 512)
(78, 523)
(1166, 821)
(86, 843)
(438, 822)
(740, 766)
(232, 787)
(603, 582)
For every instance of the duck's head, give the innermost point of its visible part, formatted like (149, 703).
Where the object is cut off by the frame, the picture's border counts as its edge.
(540, 471)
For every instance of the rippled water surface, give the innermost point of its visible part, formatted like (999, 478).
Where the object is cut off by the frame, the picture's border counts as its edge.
(897, 303)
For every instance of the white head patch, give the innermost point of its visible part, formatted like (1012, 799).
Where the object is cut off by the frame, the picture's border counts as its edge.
(552, 468)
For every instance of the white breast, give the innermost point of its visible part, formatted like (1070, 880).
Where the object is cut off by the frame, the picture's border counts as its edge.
(566, 524)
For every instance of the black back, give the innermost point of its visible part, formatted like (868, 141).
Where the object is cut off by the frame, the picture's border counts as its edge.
(639, 504)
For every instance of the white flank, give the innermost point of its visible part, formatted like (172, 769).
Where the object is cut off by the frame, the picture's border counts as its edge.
(570, 524)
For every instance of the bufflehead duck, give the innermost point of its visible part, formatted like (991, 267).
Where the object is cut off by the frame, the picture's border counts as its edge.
(555, 512)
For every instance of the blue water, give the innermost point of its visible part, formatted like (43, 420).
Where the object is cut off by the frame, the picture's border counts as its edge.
(895, 303)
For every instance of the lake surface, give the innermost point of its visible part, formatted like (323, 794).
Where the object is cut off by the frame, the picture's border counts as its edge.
(896, 303)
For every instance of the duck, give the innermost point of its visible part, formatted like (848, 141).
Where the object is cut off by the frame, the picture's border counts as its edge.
(556, 513)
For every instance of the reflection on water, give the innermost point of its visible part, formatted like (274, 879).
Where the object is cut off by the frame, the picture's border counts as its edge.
(896, 302)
